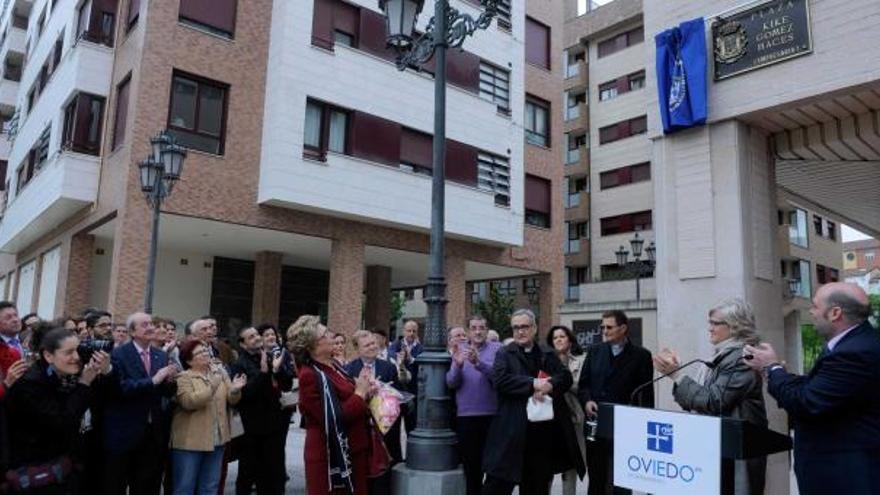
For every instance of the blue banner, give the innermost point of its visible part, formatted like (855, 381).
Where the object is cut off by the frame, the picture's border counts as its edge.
(681, 75)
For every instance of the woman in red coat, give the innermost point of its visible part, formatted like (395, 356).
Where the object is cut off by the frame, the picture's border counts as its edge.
(335, 412)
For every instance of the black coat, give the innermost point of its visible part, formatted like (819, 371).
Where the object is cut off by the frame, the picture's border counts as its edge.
(510, 434)
(836, 414)
(44, 417)
(260, 409)
(605, 378)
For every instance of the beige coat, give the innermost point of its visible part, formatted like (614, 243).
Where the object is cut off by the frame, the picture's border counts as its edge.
(198, 403)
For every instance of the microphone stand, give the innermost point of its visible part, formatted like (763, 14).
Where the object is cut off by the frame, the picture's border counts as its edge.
(637, 392)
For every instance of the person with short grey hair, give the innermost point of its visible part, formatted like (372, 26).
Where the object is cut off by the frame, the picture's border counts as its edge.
(730, 388)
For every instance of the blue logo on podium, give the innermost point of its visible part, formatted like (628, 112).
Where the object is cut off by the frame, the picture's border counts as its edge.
(660, 437)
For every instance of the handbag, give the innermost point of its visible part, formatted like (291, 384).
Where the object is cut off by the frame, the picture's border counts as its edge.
(28, 478)
(539, 411)
(379, 460)
(236, 427)
(290, 398)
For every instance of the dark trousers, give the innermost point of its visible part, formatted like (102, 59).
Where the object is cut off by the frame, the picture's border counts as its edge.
(380, 485)
(600, 469)
(392, 442)
(139, 469)
(472, 432)
(261, 463)
(529, 485)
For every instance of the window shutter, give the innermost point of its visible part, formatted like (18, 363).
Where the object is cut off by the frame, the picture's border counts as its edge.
(322, 24)
(346, 18)
(622, 85)
(463, 69)
(96, 20)
(537, 194)
(375, 139)
(461, 163)
(537, 43)
(218, 14)
(81, 123)
(372, 35)
(416, 148)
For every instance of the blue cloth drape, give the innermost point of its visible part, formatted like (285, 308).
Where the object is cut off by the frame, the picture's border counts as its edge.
(681, 75)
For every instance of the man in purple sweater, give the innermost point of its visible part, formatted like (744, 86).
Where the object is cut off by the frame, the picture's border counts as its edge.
(469, 375)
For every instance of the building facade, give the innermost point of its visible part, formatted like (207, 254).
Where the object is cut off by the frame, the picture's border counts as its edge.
(307, 184)
(861, 264)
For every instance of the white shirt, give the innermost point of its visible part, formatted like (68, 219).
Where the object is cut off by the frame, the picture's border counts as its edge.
(833, 342)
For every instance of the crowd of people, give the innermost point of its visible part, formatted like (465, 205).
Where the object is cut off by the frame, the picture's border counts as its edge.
(90, 405)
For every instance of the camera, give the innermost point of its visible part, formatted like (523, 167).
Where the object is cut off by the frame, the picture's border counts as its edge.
(89, 346)
(276, 351)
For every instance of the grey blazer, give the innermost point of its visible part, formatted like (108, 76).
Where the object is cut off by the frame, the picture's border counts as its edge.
(733, 390)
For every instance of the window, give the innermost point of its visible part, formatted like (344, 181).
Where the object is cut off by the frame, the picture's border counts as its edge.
(197, 117)
(479, 291)
(82, 124)
(121, 116)
(214, 16)
(637, 81)
(326, 130)
(817, 225)
(96, 22)
(530, 285)
(820, 274)
(625, 175)
(869, 257)
(134, 10)
(495, 86)
(34, 161)
(797, 230)
(800, 271)
(41, 23)
(575, 232)
(630, 222)
(343, 38)
(571, 58)
(607, 90)
(621, 41)
(573, 102)
(493, 174)
(537, 123)
(537, 201)
(832, 230)
(505, 287)
(537, 43)
(833, 275)
(622, 130)
(574, 277)
(56, 53)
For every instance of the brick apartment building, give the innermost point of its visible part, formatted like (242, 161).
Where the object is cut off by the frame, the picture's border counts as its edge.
(306, 188)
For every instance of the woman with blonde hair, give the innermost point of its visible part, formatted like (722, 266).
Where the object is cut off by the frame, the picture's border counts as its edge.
(335, 412)
(729, 388)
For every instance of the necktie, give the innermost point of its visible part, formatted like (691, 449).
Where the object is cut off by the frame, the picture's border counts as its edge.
(145, 357)
(15, 343)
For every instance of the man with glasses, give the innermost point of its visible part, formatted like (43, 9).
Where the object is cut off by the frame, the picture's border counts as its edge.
(519, 451)
(99, 325)
(613, 370)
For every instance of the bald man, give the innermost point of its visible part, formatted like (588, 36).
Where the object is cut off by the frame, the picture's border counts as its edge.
(836, 407)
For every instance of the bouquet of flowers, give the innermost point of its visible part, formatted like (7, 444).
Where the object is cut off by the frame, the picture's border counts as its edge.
(385, 406)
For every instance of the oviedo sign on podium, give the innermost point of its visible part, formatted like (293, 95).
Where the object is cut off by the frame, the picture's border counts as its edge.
(663, 452)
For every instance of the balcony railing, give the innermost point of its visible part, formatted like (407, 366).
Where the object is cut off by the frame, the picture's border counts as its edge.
(572, 113)
(572, 156)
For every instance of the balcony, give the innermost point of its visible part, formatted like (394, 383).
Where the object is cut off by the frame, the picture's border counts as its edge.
(577, 76)
(580, 207)
(14, 44)
(8, 95)
(581, 120)
(572, 156)
(605, 293)
(67, 183)
(578, 252)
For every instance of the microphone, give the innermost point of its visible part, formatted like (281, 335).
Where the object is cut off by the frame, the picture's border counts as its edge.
(641, 387)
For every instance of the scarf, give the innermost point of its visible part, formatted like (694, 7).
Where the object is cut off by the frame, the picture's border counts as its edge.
(338, 455)
(721, 348)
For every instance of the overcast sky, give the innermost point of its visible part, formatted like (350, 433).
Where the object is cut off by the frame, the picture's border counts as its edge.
(850, 234)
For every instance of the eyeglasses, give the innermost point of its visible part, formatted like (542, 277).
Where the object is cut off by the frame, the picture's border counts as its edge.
(716, 323)
(520, 328)
(607, 327)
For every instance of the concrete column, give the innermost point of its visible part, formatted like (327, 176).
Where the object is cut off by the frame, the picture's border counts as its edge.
(456, 291)
(77, 281)
(346, 285)
(377, 307)
(714, 221)
(131, 251)
(549, 293)
(267, 287)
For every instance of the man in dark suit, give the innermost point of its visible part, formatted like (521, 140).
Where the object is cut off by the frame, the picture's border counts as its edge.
(835, 408)
(261, 460)
(137, 412)
(385, 371)
(613, 370)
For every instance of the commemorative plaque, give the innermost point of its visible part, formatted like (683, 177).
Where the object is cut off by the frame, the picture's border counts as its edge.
(759, 36)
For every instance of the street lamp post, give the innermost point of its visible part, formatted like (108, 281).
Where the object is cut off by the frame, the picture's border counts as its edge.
(158, 173)
(432, 445)
(639, 267)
